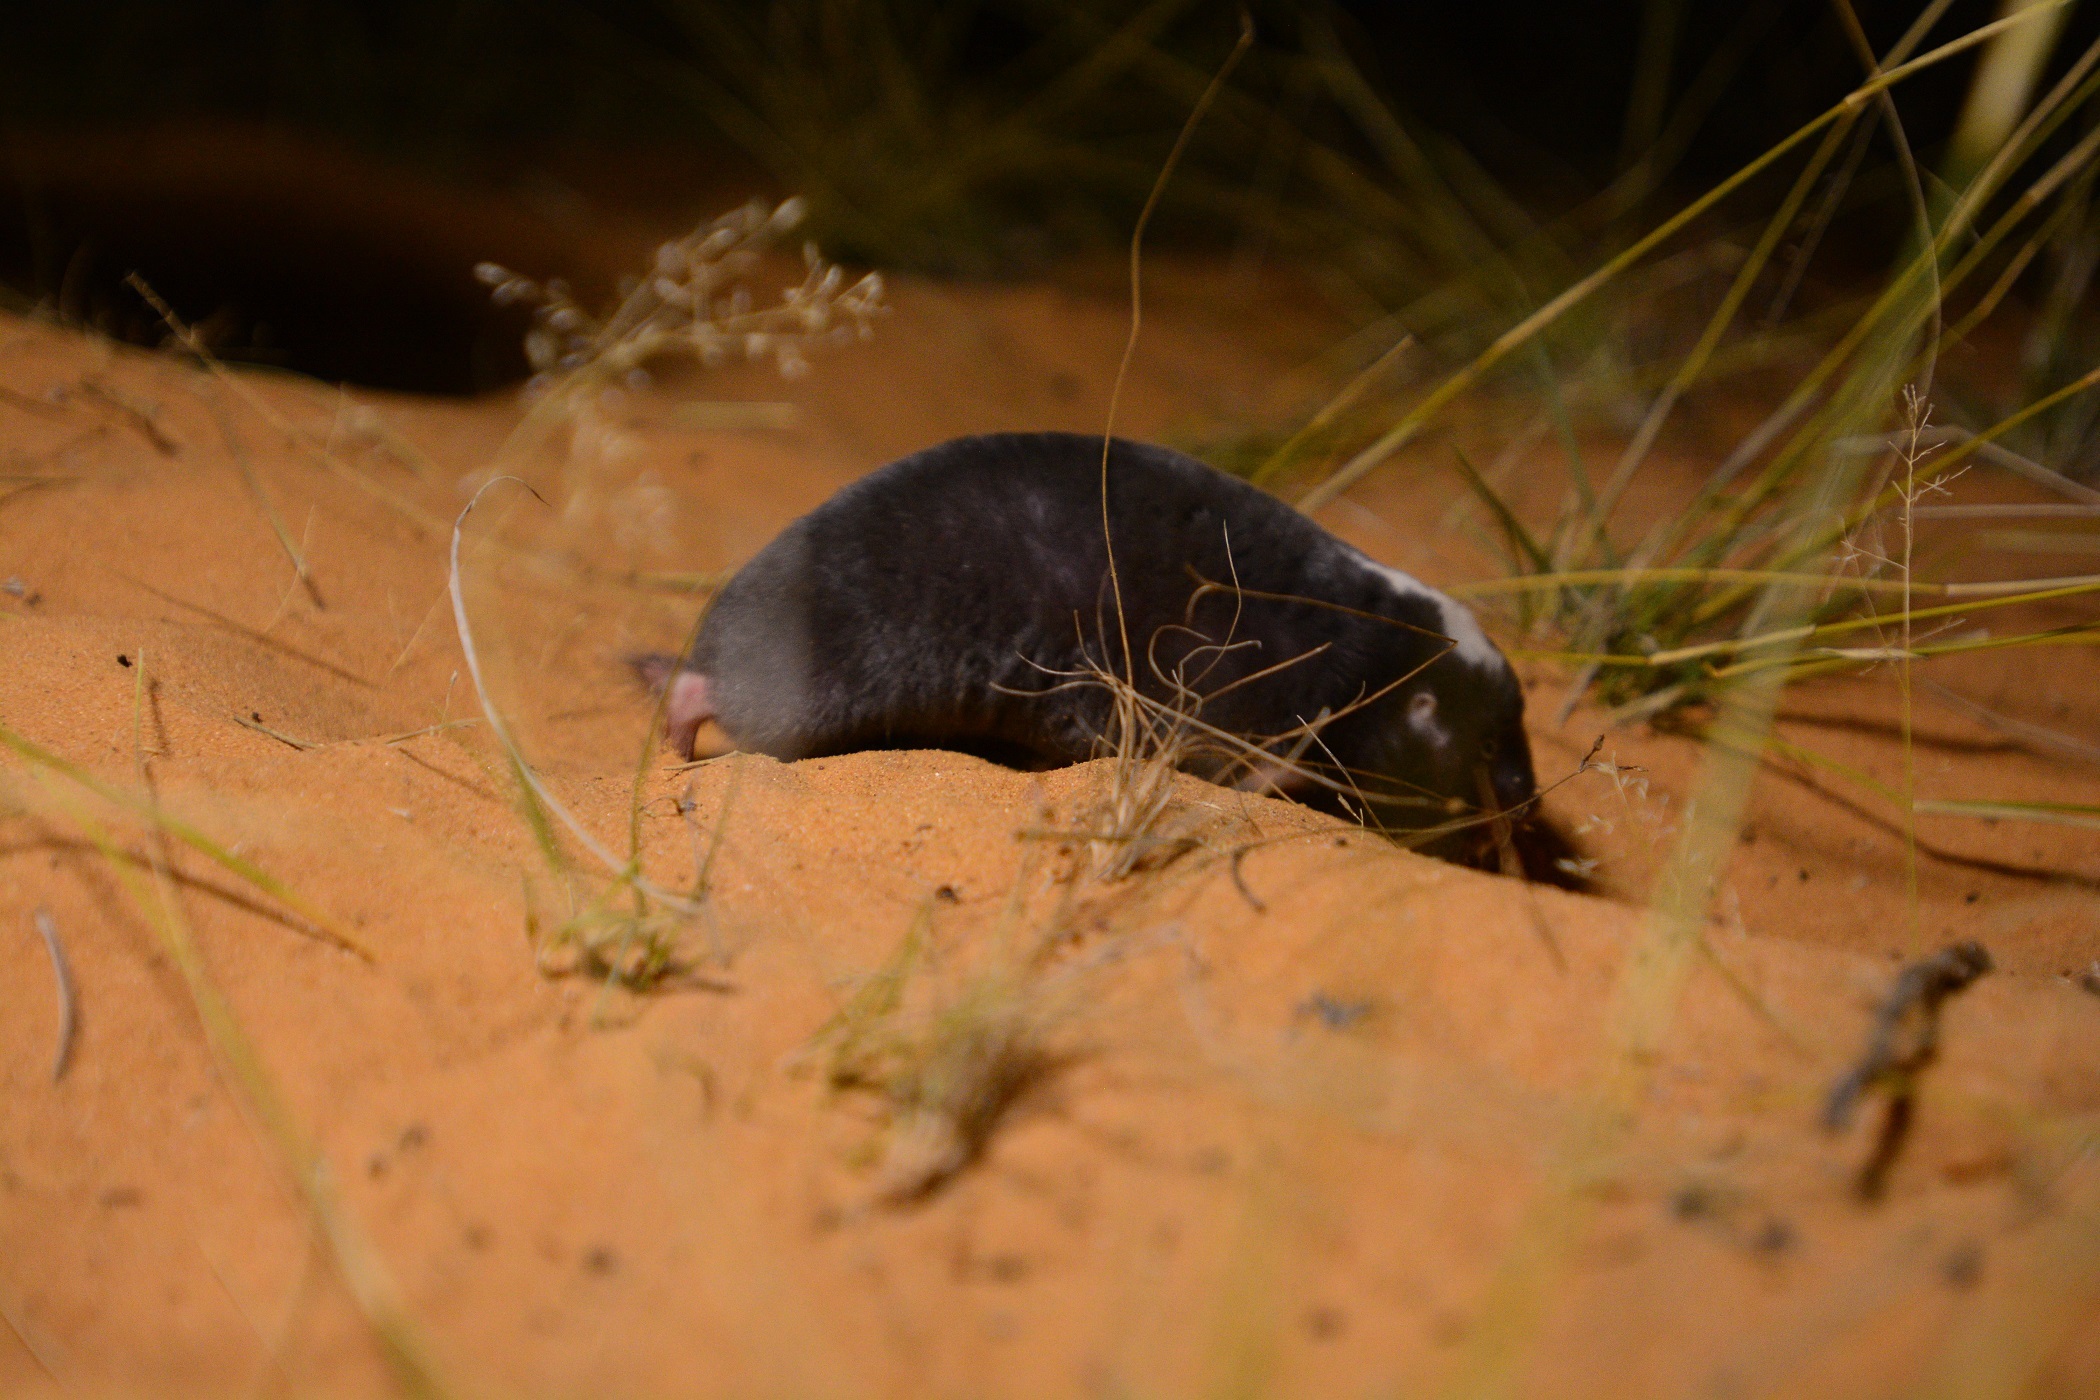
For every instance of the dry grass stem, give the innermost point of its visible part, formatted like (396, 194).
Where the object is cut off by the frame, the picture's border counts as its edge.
(188, 338)
(256, 1091)
(292, 550)
(948, 1066)
(694, 304)
(524, 771)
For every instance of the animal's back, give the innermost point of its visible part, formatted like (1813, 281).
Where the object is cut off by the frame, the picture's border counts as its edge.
(950, 597)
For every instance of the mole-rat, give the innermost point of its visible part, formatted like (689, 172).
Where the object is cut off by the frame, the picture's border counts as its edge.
(961, 598)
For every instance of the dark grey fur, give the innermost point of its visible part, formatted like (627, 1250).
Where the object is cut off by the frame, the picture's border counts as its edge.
(950, 599)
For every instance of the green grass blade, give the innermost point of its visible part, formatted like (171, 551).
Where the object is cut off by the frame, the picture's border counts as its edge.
(1741, 644)
(2062, 813)
(1818, 661)
(1519, 537)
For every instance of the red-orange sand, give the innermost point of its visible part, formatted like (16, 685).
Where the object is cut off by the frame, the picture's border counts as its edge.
(1353, 1123)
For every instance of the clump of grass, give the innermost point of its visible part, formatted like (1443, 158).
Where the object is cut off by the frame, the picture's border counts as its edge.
(616, 937)
(1673, 614)
(952, 1083)
(948, 1068)
(620, 933)
(1129, 827)
(1727, 601)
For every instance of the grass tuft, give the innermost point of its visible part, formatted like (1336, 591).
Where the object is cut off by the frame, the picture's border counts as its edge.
(629, 931)
(1649, 616)
(948, 1068)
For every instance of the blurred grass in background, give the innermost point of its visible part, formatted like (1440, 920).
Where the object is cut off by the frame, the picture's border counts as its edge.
(1564, 228)
(1445, 171)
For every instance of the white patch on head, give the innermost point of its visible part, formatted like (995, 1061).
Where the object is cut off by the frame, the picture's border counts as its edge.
(1458, 622)
(1421, 717)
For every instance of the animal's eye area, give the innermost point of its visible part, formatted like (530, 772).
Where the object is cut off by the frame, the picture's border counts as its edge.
(1421, 706)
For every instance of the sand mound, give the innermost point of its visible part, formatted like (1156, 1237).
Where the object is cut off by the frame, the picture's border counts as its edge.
(1293, 1113)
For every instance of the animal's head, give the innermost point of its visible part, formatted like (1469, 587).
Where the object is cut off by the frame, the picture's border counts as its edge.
(1450, 742)
(1454, 735)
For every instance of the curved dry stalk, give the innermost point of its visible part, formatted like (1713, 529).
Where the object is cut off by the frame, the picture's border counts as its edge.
(624, 870)
(1163, 734)
(68, 1011)
(1137, 302)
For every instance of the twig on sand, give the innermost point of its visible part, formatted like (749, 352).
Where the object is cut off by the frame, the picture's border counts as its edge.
(1904, 1042)
(1239, 882)
(68, 1015)
(256, 724)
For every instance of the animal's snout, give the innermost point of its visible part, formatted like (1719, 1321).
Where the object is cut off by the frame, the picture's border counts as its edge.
(1510, 775)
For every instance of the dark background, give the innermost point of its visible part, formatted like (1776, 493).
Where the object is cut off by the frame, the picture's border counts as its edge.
(168, 138)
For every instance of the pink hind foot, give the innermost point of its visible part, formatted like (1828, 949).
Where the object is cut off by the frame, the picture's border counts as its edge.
(686, 708)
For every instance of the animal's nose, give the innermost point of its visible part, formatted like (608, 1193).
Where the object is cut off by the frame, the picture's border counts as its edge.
(1512, 777)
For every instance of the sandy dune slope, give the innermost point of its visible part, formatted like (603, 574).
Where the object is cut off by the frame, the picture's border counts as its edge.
(1302, 1113)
